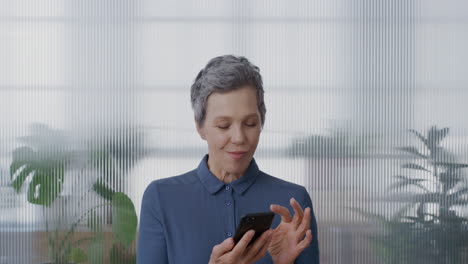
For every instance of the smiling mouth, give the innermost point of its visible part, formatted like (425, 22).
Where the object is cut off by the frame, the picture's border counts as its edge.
(237, 155)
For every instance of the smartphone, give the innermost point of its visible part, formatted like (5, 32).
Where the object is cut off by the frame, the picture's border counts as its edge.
(260, 222)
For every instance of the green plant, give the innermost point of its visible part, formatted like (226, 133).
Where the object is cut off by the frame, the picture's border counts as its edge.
(430, 227)
(64, 249)
(48, 154)
(43, 159)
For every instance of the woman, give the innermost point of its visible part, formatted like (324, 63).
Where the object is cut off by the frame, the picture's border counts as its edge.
(191, 218)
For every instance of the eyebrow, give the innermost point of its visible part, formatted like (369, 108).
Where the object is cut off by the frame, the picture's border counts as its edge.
(228, 117)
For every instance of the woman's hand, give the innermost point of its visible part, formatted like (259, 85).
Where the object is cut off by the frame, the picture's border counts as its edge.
(288, 240)
(227, 253)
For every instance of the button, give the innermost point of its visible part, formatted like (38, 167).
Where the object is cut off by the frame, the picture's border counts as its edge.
(229, 234)
(227, 188)
(228, 203)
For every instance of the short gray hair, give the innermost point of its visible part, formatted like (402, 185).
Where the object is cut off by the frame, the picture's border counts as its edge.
(223, 74)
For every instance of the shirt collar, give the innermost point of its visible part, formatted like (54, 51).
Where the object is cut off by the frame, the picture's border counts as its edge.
(213, 184)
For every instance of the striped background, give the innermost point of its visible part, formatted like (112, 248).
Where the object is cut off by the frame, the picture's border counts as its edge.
(344, 82)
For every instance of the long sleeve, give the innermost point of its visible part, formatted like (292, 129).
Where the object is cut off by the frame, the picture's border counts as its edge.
(151, 247)
(310, 255)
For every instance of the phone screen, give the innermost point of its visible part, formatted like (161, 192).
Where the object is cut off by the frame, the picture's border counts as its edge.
(260, 222)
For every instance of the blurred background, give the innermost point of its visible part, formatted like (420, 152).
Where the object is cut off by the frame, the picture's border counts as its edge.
(366, 103)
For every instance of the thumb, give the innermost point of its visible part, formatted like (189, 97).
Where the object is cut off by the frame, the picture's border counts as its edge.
(224, 247)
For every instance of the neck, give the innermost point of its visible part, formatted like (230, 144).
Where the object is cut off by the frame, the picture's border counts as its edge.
(227, 177)
(221, 174)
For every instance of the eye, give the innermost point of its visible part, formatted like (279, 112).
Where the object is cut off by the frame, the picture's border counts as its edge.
(251, 124)
(223, 127)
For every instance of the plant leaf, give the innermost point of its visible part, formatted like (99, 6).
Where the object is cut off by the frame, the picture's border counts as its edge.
(413, 151)
(401, 212)
(413, 219)
(77, 255)
(45, 187)
(414, 198)
(459, 201)
(14, 167)
(449, 179)
(45, 168)
(428, 198)
(405, 181)
(458, 193)
(420, 136)
(451, 165)
(414, 167)
(23, 154)
(124, 219)
(435, 136)
(19, 180)
(103, 190)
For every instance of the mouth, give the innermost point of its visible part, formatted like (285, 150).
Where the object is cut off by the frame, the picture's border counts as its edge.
(237, 155)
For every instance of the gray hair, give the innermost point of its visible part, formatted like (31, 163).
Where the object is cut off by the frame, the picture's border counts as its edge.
(223, 74)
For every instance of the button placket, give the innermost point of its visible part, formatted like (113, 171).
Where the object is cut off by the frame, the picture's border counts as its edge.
(229, 205)
(228, 201)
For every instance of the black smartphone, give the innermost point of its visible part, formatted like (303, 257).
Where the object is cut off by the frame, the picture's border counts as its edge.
(260, 222)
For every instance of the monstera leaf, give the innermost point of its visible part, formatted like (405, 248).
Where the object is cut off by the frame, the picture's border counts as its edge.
(46, 171)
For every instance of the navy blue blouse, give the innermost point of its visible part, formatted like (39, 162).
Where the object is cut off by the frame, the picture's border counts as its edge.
(184, 217)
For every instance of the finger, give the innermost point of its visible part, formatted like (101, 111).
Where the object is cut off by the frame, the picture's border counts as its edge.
(263, 250)
(298, 213)
(305, 242)
(305, 224)
(222, 248)
(243, 243)
(282, 211)
(259, 244)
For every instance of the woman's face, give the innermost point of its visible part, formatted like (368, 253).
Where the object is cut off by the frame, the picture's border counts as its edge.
(232, 129)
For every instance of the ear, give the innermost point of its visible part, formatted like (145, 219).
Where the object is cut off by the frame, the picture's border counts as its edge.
(200, 130)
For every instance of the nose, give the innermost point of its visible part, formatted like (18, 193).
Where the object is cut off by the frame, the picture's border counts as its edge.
(238, 135)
